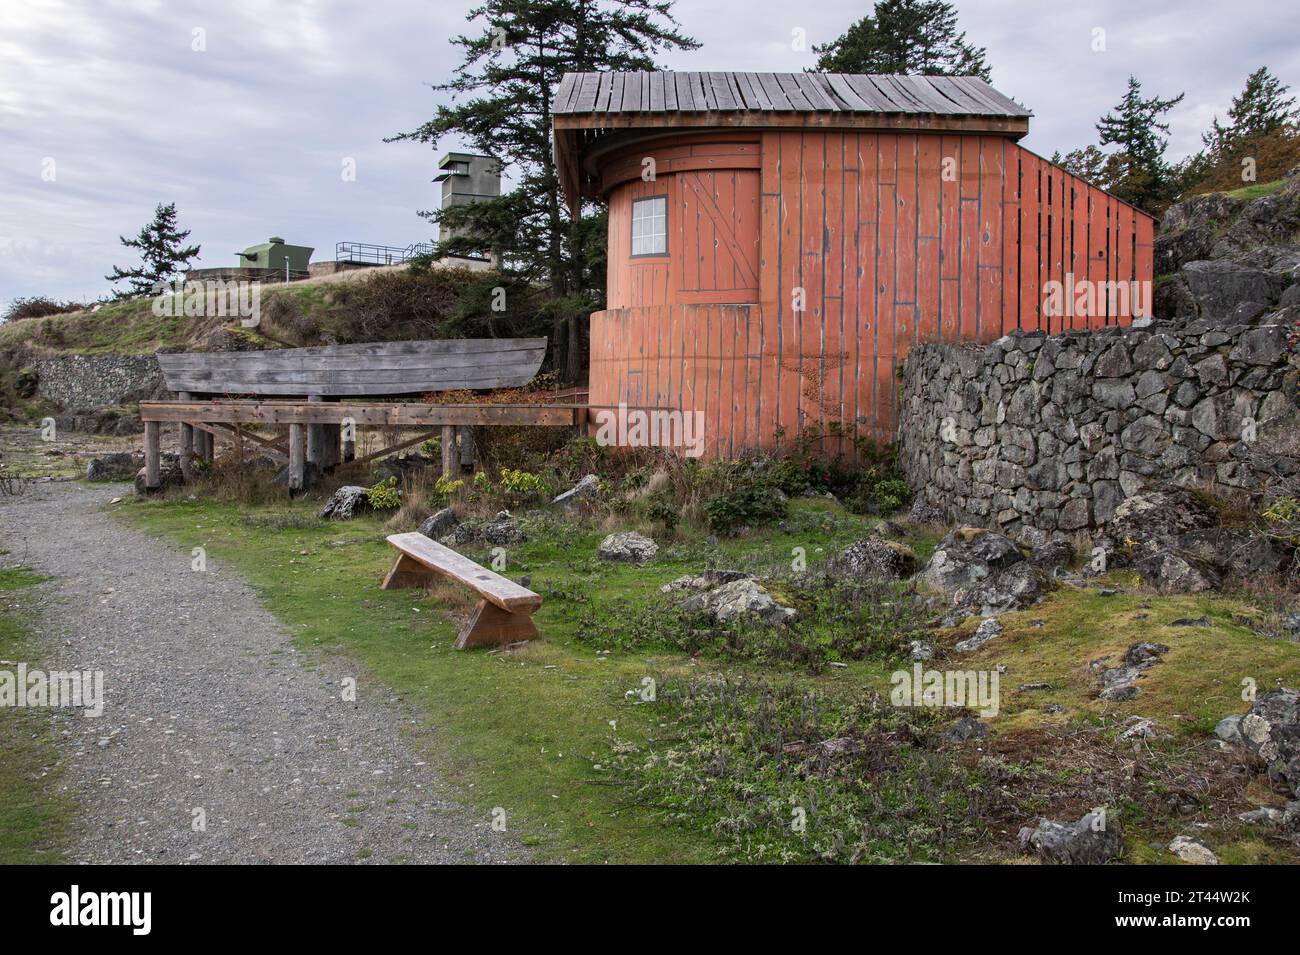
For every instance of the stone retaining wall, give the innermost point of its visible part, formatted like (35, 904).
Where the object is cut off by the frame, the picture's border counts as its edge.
(86, 382)
(1052, 433)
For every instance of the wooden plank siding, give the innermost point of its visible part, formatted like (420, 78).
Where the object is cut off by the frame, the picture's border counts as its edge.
(799, 276)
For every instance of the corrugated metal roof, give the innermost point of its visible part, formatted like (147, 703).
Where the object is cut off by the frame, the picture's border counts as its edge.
(666, 92)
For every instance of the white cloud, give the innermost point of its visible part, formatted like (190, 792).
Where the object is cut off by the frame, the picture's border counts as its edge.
(248, 136)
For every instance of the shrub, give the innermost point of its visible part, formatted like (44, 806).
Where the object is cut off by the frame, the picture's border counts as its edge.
(749, 505)
(444, 489)
(1285, 510)
(384, 495)
(880, 496)
(435, 303)
(286, 313)
(521, 487)
(39, 306)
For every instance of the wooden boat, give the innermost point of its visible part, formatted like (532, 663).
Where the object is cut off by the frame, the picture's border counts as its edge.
(374, 368)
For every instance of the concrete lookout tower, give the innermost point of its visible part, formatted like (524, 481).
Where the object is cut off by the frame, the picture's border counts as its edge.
(466, 178)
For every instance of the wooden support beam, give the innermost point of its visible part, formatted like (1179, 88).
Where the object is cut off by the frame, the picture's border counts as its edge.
(315, 440)
(348, 451)
(152, 455)
(280, 444)
(275, 448)
(448, 451)
(388, 414)
(466, 449)
(296, 457)
(187, 443)
(401, 445)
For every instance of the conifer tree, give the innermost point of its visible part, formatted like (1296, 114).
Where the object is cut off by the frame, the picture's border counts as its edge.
(161, 252)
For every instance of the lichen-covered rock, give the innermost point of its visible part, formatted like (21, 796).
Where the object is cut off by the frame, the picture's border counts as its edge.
(740, 600)
(502, 531)
(968, 727)
(983, 572)
(986, 631)
(1271, 730)
(627, 547)
(346, 503)
(587, 489)
(1094, 840)
(1158, 515)
(1170, 573)
(113, 467)
(1192, 851)
(967, 556)
(438, 524)
(1119, 683)
(878, 557)
(709, 578)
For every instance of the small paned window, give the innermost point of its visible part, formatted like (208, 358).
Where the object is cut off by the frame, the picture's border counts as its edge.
(650, 226)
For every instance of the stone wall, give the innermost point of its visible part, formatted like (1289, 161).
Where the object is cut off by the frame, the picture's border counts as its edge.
(85, 382)
(1052, 433)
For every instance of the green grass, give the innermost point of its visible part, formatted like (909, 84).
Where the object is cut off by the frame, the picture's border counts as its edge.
(129, 327)
(1255, 190)
(522, 731)
(534, 731)
(34, 818)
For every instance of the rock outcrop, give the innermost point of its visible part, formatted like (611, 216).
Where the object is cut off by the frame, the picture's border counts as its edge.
(982, 571)
(1094, 840)
(877, 557)
(627, 547)
(346, 503)
(743, 600)
(1270, 730)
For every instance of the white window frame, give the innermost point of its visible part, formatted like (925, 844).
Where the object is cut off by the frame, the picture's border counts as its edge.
(649, 226)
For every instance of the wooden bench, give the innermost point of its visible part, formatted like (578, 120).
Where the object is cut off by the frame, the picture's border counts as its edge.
(503, 615)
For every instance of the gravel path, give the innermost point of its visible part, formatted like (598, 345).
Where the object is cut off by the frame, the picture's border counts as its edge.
(210, 707)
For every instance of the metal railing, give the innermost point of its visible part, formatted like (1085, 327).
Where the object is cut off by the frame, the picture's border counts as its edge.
(368, 254)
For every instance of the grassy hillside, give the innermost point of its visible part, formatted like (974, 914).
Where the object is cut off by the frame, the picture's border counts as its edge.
(364, 305)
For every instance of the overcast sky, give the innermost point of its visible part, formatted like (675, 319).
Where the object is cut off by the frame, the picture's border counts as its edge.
(107, 108)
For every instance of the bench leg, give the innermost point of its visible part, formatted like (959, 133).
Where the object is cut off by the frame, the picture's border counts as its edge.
(407, 573)
(490, 626)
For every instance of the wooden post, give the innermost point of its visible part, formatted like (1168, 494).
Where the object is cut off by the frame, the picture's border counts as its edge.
(316, 439)
(296, 450)
(350, 444)
(466, 449)
(331, 454)
(449, 451)
(152, 456)
(187, 443)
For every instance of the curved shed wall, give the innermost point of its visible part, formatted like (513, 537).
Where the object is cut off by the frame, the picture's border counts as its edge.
(802, 265)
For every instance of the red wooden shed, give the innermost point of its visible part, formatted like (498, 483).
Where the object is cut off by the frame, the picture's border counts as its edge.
(778, 241)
